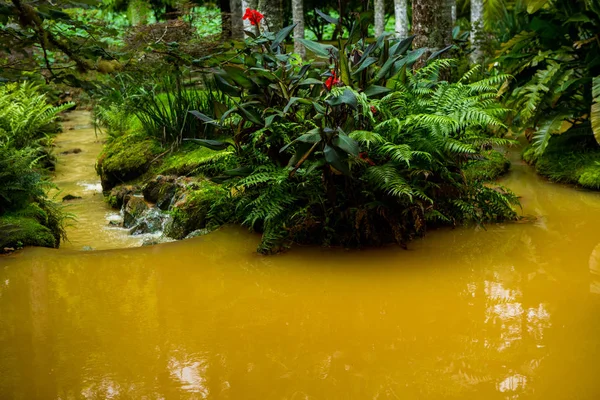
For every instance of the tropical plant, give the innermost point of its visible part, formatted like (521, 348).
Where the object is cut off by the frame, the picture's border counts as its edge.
(554, 60)
(364, 152)
(25, 114)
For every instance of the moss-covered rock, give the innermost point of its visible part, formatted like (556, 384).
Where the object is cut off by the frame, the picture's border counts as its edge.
(126, 158)
(19, 231)
(134, 209)
(120, 195)
(189, 212)
(161, 190)
(494, 166)
(191, 158)
(579, 166)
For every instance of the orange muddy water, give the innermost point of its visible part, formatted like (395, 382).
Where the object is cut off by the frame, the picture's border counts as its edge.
(511, 312)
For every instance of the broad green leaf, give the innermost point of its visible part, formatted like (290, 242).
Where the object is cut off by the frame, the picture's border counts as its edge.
(310, 137)
(402, 46)
(365, 64)
(327, 17)
(211, 144)
(238, 75)
(345, 143)
(293, 101)
(310, 81)
(438, 53)
(321, 50)
(204, 118)
(281, 35)
(336, 160)
(347, 97)
(375, 90)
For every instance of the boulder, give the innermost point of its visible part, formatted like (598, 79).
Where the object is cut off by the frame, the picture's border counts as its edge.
(160, 191)
(133, 210)
(121, 195)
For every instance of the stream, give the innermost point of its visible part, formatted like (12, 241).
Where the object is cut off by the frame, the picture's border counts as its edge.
(507, 312)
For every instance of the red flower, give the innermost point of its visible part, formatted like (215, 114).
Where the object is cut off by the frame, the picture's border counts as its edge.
(253, 16)
(331, 81)
(373, 110)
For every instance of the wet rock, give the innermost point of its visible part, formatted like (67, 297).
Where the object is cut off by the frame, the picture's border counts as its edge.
(197, 232)
(114, 223)
(72, 151)
(161, 190)
(121, 195)
(70, 197)
(150, 221)
(87, 248)
(8, 249)
(133, 210)
(156, 240)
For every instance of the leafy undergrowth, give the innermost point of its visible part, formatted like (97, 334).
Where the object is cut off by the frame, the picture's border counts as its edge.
(494, 166)
(579, 165)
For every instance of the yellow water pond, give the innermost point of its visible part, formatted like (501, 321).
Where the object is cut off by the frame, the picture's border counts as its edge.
(511, 312)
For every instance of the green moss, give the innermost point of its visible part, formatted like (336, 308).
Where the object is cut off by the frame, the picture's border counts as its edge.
(495, 165)
(19, 231)
(126, 158)
(191, 158)
(567, 165)
(191, 210)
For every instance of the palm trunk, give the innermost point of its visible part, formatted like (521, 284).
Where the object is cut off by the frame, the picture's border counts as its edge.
(379, 17)
(298, 19)
(401, 14)
(476, 30)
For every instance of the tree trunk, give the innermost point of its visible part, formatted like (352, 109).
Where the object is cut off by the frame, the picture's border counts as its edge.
(476, 30)
(226, 28)
(453, 2)
(401, 14)
(273, 12)
(379, 17)
(237, 27)
(298, 19)
(432, 23)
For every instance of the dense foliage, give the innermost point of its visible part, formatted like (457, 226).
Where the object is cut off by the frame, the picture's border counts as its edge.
(26, 120)
(367, 152)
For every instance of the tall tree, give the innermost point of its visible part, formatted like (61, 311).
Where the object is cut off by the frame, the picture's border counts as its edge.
(453, 5)
(226, 28)
(379, 17)
(273, 12)
(298, 19)
(432, 23)
(237, 26)
(401, 14)
(476, 29)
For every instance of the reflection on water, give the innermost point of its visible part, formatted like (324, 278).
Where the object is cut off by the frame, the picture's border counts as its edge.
(504, 313)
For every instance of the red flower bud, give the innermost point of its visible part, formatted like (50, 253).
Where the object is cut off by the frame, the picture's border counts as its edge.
(253, 16)
(332, 80)
(373, 110)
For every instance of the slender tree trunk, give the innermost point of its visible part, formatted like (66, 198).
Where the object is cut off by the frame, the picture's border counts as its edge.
(432, 25)
(401, 14)
(226, 28)
(298, 19)
(379, 17)
(453, 2)
(476, 30)
(237, 27)
(273, 12)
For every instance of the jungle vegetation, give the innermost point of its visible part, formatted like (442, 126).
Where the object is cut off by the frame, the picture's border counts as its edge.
(332, 123)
